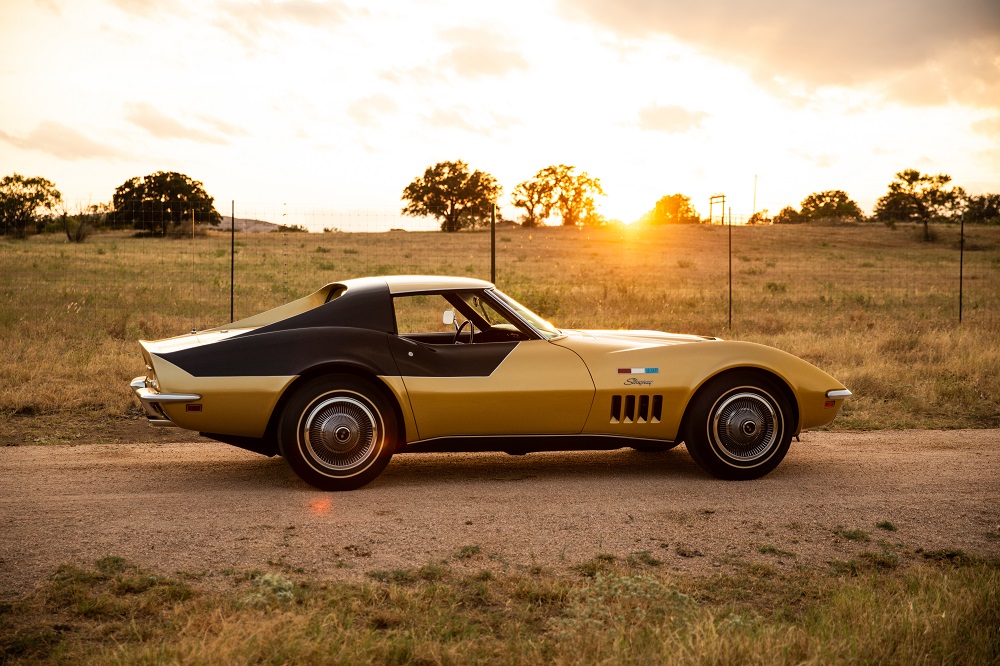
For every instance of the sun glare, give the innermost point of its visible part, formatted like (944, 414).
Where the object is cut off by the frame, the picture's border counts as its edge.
(319, 507)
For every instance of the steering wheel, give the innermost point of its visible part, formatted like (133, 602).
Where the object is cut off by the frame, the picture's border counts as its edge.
(458, 331)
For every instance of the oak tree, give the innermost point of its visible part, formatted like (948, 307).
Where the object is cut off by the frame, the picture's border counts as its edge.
(22, 201)
(574, 194)
(983, 209)
(537, 197)
(788, 215)
(672, 209)
(830, 204)
(917, 197)
(451, 193)
(160, 201)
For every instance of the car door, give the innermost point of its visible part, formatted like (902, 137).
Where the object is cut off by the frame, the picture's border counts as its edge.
(514, 387)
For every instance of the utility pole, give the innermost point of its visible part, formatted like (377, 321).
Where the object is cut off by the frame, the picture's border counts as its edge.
(754, 211)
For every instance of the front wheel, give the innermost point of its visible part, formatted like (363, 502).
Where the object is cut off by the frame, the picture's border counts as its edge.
(739, 426)
(337, 432)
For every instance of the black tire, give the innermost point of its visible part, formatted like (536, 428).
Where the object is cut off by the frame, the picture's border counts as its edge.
(739, 426)
(337, 432)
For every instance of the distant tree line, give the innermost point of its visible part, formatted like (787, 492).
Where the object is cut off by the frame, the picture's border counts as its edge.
(160, 204)
(166, 203)
(911, 197)
(463, 199)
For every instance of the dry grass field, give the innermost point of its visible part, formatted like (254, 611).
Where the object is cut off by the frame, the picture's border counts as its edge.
(875, 307)
(113, 612)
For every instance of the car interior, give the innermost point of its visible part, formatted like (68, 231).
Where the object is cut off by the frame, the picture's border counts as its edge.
(451, 318)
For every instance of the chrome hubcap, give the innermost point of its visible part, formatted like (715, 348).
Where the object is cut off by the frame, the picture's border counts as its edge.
(745, 426)
(340, 432)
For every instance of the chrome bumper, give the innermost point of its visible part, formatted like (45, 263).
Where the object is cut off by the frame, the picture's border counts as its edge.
(838, 394)
(151, 401)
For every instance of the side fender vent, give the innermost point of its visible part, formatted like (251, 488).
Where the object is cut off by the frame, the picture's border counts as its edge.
(636, 409)
(616, 409)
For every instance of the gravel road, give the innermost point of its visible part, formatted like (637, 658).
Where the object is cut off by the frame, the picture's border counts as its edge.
(207, 508)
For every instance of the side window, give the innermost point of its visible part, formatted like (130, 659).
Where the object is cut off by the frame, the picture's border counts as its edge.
(421, 314)
(488, 313)
(420, 318)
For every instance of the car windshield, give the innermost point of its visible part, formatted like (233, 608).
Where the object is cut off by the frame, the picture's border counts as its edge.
(545, 328)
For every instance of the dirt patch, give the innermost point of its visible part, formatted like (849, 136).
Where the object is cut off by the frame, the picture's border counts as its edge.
(206, 508)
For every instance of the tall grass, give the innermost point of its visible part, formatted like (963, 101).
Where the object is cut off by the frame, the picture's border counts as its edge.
(875, 307)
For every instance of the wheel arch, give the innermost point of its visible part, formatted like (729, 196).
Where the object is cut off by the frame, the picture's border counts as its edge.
(771, 376)
(338, 368)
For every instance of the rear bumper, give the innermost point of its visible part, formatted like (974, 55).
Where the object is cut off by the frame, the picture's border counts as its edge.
(151, 401)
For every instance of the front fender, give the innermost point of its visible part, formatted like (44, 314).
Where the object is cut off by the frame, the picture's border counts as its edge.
(677, 370)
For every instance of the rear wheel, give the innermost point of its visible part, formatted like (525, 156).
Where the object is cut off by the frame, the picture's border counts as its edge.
(739, 426)
(337, 432)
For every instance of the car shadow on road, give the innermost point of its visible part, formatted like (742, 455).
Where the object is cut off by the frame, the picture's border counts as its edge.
(443, 469)
(437, 469)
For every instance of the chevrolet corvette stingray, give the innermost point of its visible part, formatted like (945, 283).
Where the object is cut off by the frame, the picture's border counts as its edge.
(339, 381)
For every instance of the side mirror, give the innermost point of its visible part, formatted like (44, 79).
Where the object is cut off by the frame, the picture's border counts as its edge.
(449, 318)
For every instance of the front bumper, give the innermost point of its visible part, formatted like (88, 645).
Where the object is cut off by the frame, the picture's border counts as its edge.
(151, 401)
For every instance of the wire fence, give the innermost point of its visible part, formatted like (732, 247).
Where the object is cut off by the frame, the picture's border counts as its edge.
(146, 279)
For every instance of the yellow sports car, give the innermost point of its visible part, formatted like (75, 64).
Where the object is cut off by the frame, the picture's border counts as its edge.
(339, 381)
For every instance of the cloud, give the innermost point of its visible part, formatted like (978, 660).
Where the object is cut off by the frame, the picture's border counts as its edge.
(222, 126)
(474, 54)
(671, 119)
(818, 161)
(51, 5)
(480, 53)
(163, 126)
(62, 141)
(246, 20)
(143, 8)
(459, 118)
(988, 126)
(903, 47)
(370, 110)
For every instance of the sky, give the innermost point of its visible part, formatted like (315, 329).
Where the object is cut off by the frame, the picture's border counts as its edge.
(302, 105)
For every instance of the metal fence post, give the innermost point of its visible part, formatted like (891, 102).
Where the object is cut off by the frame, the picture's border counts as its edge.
(493, 244)
(232, 261)
(730, 268)
(961, 265)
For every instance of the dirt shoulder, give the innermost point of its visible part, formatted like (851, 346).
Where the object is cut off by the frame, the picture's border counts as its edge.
(205, 508)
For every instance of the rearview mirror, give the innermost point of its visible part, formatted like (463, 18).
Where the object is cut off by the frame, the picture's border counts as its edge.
(449, 317)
